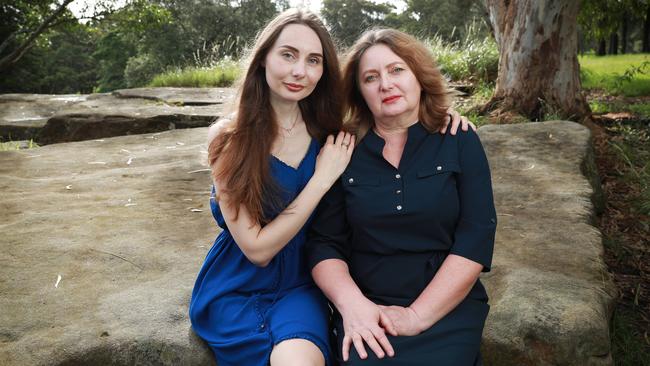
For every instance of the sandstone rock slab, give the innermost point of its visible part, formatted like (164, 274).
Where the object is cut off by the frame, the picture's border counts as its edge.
(551, 295)
(101, 243)
(63, 118)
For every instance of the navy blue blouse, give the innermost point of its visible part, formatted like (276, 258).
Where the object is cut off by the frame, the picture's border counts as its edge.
(394, 227)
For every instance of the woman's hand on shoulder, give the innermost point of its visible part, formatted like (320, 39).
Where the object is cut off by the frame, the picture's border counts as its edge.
(405, 320)
(454, 119)
(333, 158)
(364, 322)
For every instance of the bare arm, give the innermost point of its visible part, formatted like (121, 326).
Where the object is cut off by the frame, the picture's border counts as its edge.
(260, 244)
(447, 289)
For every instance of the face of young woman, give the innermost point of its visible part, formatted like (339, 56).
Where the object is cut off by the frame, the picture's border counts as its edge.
(388, 85)
(294, 64)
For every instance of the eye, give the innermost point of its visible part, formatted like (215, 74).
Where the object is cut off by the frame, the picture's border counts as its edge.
(397, 69)
(287, 55)
(314, 60)
(370, 78)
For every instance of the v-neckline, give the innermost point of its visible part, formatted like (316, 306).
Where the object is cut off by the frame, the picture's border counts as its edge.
(311, 142)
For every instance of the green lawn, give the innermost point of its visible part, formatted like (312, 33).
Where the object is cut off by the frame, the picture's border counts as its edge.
(607, 73)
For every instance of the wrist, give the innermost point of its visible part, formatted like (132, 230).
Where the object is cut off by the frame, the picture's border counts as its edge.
(320, 183)
(424, 322)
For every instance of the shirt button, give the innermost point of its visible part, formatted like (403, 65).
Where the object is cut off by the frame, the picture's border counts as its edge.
(351, 180)
(398, 191)
(438, 168)
(398, 176)
(399, 207)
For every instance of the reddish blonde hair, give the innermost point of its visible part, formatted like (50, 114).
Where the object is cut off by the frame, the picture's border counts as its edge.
(244, 147)
(434, 100)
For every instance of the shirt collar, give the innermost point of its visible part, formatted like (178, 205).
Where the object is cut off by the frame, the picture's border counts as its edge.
(416, 134)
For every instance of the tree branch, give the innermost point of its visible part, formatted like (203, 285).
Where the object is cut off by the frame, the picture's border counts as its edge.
(24, 47)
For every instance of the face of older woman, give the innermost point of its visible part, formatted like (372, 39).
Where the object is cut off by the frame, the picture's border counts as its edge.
(388, 86)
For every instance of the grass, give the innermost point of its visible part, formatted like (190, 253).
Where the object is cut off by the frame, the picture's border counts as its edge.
(608, 73)
(223, 74)
(627, 345)
(623, 159)
(642, 110)
(17, 145)
(474, 59)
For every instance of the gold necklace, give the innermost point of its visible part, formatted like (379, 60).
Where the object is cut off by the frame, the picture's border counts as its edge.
(290, 129)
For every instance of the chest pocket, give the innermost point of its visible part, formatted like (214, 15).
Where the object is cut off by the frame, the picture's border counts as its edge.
(439, 168)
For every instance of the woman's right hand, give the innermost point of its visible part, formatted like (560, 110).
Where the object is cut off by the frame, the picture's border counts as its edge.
(364, 322)
(333, 158)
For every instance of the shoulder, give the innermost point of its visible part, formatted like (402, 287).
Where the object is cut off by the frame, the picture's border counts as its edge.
(463, 139)
(221, 125)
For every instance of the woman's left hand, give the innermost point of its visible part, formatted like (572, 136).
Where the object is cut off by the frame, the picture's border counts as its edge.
(455, 119)
(406, 321)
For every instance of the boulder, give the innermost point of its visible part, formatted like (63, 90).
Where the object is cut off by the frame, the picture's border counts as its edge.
(102, 241)
(550, 293)
(51, 119)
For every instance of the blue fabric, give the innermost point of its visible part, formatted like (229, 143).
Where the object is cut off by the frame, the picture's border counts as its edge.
(242, 310)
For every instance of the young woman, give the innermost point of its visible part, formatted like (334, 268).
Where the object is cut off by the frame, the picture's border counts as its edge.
(254, 301)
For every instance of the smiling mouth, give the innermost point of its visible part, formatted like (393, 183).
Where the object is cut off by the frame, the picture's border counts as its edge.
(294, 87)
(390, 99)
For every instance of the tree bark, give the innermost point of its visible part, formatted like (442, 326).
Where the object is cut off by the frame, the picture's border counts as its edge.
(538, 64)
(613, 43)
(602, 47)
(646, 31)
(624, 23)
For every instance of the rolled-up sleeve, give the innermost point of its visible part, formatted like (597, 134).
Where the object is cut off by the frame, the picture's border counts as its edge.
(476, 228)
(329, 232)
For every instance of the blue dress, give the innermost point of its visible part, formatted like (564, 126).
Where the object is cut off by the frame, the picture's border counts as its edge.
(242, 310)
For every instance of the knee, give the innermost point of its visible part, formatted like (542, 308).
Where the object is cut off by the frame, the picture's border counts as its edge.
(297, 352)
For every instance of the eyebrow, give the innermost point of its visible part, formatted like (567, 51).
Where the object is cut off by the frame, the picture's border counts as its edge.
(298, 51)
(387, 66)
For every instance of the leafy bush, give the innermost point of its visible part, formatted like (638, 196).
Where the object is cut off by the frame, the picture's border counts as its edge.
(140, 70)
(474, 59)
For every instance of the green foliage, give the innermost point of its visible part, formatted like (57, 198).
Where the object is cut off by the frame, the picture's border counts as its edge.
(633, 148)
(348, 19)
(222, 74)
(140, 70)
(475, 59)
(642, 110)
(616, 74)
(442, 18)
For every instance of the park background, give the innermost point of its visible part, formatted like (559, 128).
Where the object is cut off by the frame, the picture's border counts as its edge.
(72, 46)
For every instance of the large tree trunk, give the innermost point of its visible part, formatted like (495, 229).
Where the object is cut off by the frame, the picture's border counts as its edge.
(613, 43)
(538, 63)
(602, 47)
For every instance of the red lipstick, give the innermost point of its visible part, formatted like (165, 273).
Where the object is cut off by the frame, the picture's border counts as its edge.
(390, 99)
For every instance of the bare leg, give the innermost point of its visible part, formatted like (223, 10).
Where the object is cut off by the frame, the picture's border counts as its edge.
(297, 352)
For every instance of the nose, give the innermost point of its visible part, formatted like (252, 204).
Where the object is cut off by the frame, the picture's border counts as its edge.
(386, 82)
(298, 70)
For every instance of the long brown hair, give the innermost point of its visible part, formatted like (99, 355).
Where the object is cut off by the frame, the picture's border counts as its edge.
(434, 99)
(244, 148)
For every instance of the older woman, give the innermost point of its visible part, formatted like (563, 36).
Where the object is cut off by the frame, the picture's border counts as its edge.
(399, 242)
